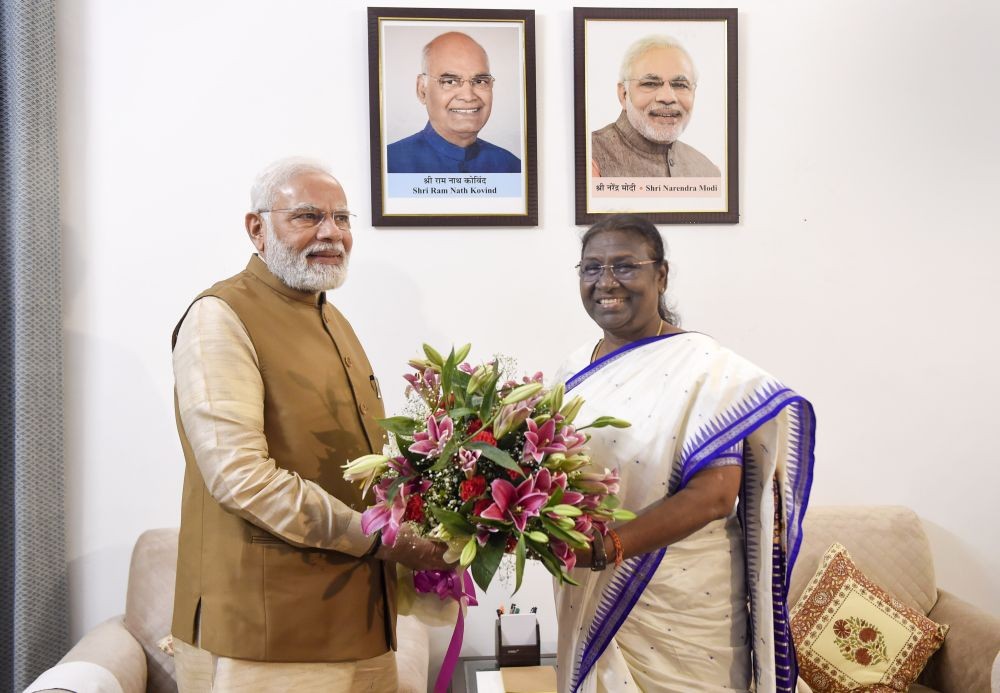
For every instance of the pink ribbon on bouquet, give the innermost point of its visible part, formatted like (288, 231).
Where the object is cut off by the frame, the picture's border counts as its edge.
(446, 583)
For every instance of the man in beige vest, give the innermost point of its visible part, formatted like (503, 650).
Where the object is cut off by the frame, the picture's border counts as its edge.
(277, 586)
(656, 88)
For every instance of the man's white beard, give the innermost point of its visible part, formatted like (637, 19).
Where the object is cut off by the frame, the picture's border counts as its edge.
(293, 268)
(664, 134)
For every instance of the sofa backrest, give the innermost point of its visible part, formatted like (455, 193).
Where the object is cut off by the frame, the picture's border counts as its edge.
(887, 542)
(149, 604)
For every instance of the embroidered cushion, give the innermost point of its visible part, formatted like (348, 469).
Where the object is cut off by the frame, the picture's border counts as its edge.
(851, 635)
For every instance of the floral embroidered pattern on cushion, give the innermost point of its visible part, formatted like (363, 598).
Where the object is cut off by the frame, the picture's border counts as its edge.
(851, 635)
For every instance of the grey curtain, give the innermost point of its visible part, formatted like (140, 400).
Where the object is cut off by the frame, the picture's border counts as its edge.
(34, 619)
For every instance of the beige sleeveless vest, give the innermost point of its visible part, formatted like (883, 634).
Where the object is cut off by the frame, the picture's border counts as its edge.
(258, 597)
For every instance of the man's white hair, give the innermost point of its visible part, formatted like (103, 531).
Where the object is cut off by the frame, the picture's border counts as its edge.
(648, 43)
(269, 182)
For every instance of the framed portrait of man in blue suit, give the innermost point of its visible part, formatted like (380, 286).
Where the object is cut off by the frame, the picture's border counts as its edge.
(452, 117)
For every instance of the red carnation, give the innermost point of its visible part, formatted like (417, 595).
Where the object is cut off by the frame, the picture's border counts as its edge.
(511, 544)
(868, 635)
(480, 506)
(414, 509)
(470, 488)
(485, 437)
(474, 426)
(862, 656)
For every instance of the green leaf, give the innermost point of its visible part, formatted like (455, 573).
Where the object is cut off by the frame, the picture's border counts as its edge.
(452, 521)
(519, 563)
(548, 559)
(488, 560)
(460, 412)
(489, 396)
(401, 425)
(450, 448)
(447, 374)
(557, 496)
(495, 454)
(433, 356)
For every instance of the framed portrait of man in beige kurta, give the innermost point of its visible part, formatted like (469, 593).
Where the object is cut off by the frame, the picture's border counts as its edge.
(656, 114)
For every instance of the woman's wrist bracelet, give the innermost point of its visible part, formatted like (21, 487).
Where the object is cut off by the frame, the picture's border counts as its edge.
(619, 551)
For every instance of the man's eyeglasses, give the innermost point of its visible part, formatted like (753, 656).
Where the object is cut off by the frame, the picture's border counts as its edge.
(622, 271)
(649, 85)
(454, 82)
(310, 218)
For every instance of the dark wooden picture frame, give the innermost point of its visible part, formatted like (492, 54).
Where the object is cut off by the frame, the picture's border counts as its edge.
(406, 113)
(695, 179)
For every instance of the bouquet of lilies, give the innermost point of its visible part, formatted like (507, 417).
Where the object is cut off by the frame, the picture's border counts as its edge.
(490, 466)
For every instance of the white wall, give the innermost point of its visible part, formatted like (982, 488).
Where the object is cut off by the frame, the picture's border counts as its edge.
(862, 272)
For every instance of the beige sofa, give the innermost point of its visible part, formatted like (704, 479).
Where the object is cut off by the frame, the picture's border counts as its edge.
(889, 545)
(127, 646)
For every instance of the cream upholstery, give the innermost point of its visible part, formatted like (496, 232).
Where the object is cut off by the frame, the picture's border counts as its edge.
(889, 545)
(127, 645)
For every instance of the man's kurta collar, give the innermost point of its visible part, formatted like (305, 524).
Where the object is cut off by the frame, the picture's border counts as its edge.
(446, 148)
(258, 268)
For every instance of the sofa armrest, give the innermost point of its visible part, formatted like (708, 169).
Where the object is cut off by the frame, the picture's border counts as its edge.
(965, 661)
(107, 649)
(412, 654)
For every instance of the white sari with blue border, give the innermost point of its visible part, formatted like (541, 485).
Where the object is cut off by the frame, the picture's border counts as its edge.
(690, 402)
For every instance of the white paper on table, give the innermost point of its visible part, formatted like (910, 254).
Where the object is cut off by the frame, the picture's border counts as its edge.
(518, 629)
(489, 682)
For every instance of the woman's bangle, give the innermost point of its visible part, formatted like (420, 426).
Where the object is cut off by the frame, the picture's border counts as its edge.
(619, 551)
(598, 558)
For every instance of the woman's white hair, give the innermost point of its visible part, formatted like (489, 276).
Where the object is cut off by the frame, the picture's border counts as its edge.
(268, 182)
(648, 43)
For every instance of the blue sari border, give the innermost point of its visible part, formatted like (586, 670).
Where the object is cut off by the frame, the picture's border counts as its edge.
(615, 606)
(608, 359)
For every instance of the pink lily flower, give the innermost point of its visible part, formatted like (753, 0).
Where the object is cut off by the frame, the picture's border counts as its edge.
(560, 479)
(541, 440)
(604, 483)
(584, 524)
(515, 505)
(564, 552)
(467, 461)
(389, 516)
(573, 441)
(431, 442)
(425, 383)
(384, 517)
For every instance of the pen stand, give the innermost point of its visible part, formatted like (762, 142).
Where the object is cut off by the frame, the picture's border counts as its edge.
(520, 644)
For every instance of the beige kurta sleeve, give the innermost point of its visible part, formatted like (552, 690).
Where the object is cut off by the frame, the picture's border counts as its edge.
(220, 396)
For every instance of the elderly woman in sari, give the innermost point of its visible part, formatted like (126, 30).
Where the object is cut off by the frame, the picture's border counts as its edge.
(664, 603)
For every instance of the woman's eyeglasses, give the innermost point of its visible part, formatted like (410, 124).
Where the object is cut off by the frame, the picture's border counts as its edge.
(590, 272)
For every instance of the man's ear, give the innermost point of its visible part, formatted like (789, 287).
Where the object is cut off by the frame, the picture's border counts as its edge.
(422, 89)
(622, 95)
(255, 230)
